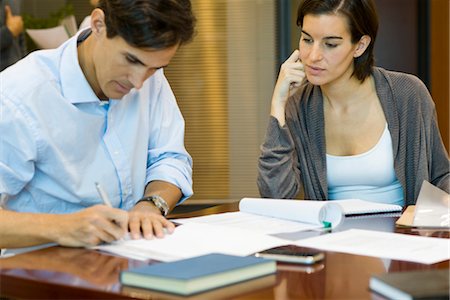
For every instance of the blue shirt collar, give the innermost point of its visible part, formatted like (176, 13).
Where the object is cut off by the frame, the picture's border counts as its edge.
(74, 84)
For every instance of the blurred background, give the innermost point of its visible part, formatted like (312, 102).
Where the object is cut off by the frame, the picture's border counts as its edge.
(223, 80)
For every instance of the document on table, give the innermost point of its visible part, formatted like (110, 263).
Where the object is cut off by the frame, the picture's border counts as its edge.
(257, 223)
(425, 250)
(194, 239)
(432, 207)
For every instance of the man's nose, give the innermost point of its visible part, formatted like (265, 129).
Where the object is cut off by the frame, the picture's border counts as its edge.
(137, 78)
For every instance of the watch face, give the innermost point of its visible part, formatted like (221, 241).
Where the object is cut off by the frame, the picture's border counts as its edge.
(161, 204)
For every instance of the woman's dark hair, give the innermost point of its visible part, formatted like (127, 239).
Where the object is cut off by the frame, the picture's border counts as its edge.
(154, 24)
(362, 20)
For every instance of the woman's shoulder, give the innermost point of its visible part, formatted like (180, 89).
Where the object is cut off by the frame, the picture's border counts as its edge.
(399, 79)
(406, 88)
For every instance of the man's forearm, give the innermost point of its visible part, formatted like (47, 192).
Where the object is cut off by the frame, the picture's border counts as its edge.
(168, 191)
(23, 229)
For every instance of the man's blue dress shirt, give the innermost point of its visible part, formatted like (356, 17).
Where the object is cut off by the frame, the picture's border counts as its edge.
(57, 138)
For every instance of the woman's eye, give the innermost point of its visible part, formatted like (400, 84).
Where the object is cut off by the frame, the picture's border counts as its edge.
(306, 40)
(331, 45)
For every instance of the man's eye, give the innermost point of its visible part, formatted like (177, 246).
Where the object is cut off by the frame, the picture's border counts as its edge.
(131, 60)
(331, 45)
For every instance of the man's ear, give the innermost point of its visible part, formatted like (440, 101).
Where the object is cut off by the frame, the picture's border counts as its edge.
(98, 21)
(362, 45)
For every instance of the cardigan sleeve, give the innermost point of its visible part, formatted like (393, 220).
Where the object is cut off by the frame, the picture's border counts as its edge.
(439, 163)
(278, 176)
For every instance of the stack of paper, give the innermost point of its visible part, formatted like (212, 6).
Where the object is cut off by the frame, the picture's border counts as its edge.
(194, 239)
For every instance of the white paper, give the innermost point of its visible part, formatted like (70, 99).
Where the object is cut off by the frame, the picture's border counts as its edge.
(241, 220)
(49, 38)
(194, 239)
(305, 211)
(432, 207)
(426, 250)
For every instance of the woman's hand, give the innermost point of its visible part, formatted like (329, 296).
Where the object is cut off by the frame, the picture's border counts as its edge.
(289, 79)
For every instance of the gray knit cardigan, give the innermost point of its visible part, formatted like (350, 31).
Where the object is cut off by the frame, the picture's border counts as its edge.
(294, 156)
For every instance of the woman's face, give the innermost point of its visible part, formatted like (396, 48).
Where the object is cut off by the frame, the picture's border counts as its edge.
(326, 49)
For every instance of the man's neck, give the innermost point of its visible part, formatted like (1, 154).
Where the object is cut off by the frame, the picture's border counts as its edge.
(85, 57)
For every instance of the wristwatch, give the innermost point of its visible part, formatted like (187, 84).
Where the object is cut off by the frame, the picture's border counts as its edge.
(159, 202)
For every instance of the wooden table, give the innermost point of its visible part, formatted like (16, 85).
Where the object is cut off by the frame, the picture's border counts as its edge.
(58, 272)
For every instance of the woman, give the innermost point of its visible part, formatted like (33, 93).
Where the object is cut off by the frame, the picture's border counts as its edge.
(341, 128)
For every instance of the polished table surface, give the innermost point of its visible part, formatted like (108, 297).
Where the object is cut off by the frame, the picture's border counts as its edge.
(76, 273)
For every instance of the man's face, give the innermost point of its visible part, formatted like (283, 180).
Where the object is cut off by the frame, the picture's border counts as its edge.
(119, 67)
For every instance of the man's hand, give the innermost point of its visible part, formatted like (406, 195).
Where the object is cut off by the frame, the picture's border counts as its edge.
(146, 218)
(14, 23)
(90, 226)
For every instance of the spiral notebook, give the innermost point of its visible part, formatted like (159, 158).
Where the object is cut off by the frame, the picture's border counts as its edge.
(358, 207)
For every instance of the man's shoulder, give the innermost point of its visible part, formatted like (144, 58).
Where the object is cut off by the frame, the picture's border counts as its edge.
(31, 73)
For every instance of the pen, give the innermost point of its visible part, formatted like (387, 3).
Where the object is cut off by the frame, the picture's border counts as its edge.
(103, 195)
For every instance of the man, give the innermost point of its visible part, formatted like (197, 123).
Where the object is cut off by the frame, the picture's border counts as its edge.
(12, 41)
(96, 110)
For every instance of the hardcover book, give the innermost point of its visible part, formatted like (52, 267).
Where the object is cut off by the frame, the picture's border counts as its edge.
(198, 274)
(226, 292)
(429, 284)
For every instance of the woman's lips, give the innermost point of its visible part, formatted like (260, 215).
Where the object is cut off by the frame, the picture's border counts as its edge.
(315, 71)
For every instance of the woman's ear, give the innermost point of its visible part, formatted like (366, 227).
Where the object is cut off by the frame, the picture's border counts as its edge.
(362, 45)
(98, 21)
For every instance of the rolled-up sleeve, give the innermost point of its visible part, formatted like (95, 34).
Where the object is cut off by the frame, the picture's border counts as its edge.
(168, 159)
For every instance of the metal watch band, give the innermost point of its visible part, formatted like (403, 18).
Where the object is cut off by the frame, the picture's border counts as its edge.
(159, 202)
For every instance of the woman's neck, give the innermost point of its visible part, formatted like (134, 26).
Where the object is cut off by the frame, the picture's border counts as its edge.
(349, 93)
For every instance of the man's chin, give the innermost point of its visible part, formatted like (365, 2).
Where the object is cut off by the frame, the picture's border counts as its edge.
(116, 95)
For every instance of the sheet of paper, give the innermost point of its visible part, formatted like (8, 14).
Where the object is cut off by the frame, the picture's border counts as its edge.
(426, 250)
(194, 239)
(432, 207)
(241, 220)
(48, 38)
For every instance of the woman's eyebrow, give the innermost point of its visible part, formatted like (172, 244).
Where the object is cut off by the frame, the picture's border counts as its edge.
(325, 38)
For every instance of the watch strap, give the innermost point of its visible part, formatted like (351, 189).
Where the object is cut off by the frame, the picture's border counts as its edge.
(158, 201)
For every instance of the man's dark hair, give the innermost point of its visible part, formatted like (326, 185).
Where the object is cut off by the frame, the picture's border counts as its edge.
(362, 19)
(156, 24)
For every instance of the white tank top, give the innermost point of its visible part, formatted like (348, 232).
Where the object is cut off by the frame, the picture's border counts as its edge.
(367, 176)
